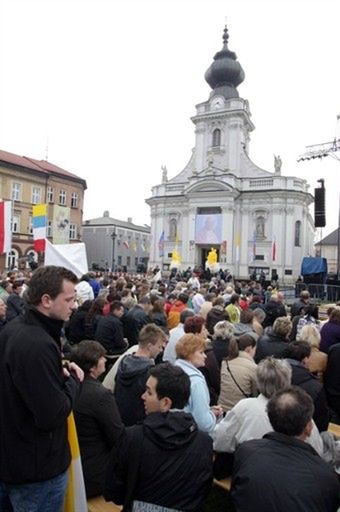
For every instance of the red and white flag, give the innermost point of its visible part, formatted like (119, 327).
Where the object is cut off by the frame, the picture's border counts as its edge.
(5, 226)
(274, 249)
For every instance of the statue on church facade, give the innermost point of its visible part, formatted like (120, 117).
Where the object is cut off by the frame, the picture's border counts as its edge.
(164, 174)
(277, 164)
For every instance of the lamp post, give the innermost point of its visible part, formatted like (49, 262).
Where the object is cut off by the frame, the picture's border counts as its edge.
(113, 236)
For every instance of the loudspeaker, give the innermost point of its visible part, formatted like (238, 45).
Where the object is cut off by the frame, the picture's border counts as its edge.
(319, 207)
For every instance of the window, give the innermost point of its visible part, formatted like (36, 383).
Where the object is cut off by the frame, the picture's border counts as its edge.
(49, 229)
(30, 225)
(216, 140)
(36, 195)
(12, 259)
(16, 223)
(136, 261)
(128, 261)
(74, 200)
(119, 260)
(16, 192)
(50, 194)
(297, 240)
(73, 231)
(62, 197)
(259, 257)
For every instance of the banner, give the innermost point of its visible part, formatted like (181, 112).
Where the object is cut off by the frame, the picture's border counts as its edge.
(274, 249)
(161, 245)
(5, 226)
(208, 229)
(39, 222)
(61, 224)
(71, 256)
(75, 498)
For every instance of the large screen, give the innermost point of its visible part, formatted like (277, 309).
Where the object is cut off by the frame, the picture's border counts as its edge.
(208, 229)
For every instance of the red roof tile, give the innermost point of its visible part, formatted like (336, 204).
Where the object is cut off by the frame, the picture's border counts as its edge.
(36, 165)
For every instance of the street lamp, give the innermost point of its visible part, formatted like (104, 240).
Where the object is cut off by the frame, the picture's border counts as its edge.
(113, 236)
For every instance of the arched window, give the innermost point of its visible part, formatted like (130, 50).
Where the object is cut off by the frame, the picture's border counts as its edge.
(216, 139)
(297, 241)
(12, 259)
(173, 228)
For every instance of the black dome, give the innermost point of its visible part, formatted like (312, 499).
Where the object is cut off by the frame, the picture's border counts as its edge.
(225, 73)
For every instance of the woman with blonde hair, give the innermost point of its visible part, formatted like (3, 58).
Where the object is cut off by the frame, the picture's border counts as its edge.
(190, 350)
(317, 361)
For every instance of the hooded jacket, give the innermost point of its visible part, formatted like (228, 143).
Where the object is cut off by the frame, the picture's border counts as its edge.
(270, 344)
(132, 374)
(174, 462)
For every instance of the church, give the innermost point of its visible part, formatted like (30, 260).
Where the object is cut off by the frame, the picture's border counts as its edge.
(256, 220)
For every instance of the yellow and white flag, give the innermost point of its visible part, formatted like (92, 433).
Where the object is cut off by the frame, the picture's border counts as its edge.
(75, 498)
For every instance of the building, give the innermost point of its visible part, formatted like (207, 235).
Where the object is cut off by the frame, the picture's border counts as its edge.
(255, 219)
(328, 248)
(26, 182)
(116, 244)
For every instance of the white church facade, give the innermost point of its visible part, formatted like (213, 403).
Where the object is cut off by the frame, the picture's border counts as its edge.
(254, 219)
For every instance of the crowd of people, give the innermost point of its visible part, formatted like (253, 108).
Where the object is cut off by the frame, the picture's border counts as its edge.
(172, 381)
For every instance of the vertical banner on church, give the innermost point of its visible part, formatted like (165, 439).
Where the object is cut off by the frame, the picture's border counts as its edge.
(274, 249)
(237, 247)
(61, 224)
(161, 245)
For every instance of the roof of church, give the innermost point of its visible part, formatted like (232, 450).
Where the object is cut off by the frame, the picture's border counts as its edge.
(40, 166)
(331, 239)
(225, 73)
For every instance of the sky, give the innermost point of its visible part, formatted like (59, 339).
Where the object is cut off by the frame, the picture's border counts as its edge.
(106, 88)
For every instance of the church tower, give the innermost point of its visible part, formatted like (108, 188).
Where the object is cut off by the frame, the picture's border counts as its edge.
(254, 219)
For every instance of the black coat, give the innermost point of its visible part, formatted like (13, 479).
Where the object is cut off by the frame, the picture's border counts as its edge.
(270, 344)
(302, 377)
(282, 474)
(98, 427)
(133, 323)
(35, 400)
(175, 461)
(332, 378)
(110, 334)
(273, 310)
(15, 306)
(216, 314)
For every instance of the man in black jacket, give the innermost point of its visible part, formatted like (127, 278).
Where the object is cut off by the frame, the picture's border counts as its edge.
(137, 317)
(165, 461)
(297, 354)
(281, 472)
(36, 397)
(109, 331)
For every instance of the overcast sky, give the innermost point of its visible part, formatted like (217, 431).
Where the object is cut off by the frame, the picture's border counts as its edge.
(110, 86)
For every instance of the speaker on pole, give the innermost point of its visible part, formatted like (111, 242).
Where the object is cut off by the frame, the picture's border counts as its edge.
(319, 206)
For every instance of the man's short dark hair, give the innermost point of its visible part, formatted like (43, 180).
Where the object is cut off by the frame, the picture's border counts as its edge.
(115, 305)
(186, 313)
(183, 297)
(172, 382)
(289, 411)
(144, 300)
(297, 350)
(87, 354)
(246, 316)
(48, 280)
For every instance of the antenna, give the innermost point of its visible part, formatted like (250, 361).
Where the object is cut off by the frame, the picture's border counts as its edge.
(46, 148)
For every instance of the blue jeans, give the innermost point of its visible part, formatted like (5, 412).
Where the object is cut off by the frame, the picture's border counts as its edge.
(45, 496)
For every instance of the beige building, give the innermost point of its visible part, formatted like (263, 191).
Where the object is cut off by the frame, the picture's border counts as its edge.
(26, 182)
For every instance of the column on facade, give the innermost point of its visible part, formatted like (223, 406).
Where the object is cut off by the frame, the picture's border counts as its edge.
(279, 235)
(290, 236)
(200, 151)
